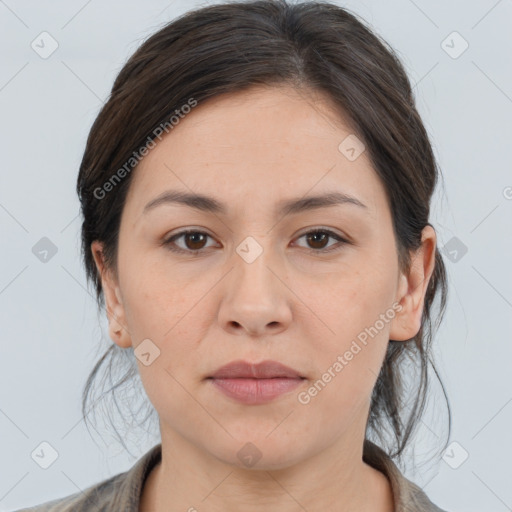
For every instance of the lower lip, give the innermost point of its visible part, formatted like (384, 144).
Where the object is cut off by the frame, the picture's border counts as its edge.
(256, 391)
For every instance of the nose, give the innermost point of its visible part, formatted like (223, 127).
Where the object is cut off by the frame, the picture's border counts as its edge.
(256, 301)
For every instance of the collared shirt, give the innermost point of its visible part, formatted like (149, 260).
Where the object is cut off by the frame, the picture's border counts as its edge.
(122, 492)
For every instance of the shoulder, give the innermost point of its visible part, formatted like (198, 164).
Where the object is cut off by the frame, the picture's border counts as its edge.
(96, 497)
(417, 499)
(119, 492)
(407, 495)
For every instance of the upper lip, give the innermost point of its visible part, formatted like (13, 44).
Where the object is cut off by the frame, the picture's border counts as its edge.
(265, 370)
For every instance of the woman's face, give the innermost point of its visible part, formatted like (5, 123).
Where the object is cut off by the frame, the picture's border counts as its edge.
(252, 284)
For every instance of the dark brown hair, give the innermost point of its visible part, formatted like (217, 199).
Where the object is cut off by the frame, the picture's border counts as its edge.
(312, 46)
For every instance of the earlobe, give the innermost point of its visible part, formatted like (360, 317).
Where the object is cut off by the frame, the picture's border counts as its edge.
(413, 287)
(118, 331)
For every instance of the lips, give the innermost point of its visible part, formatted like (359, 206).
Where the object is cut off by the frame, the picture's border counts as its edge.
(256, 384)
(265, 370)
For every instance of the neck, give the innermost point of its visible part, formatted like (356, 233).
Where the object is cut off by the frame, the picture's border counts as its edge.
(188, 479)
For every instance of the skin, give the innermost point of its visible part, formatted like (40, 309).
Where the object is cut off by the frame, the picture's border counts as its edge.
(251, 150)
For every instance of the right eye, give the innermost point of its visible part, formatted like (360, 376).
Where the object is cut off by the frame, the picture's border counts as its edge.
(194, 242)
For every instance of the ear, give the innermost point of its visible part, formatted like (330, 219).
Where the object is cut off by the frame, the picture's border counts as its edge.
(412, 288)
(118, 331)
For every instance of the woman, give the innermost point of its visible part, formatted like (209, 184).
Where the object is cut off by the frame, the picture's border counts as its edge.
(255, 197)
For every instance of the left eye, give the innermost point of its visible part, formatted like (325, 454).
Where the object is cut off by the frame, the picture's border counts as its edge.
(318, 237)
(193, 238)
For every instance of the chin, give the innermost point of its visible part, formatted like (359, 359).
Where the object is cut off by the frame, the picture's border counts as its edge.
(259, 453)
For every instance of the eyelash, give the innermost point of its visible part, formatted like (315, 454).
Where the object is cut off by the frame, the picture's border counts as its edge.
(169, 243)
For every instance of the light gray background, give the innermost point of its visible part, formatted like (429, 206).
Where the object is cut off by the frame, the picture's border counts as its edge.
(50, 332)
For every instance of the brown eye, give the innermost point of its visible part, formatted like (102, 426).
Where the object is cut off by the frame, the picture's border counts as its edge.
(318, 239)
(193, 240)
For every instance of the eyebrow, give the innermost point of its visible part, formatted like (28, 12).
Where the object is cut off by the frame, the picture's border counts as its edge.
(285, 207)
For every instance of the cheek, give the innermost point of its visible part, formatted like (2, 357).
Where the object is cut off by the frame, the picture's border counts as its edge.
(164, 313)
(357, 308)
(158, 299)
(356, 297)
(174, 315)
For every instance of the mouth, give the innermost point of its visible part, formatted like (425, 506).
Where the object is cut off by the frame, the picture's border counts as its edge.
(253, 384)
(265, 370)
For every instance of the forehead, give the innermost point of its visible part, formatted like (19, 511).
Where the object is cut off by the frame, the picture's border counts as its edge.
(256, 147)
